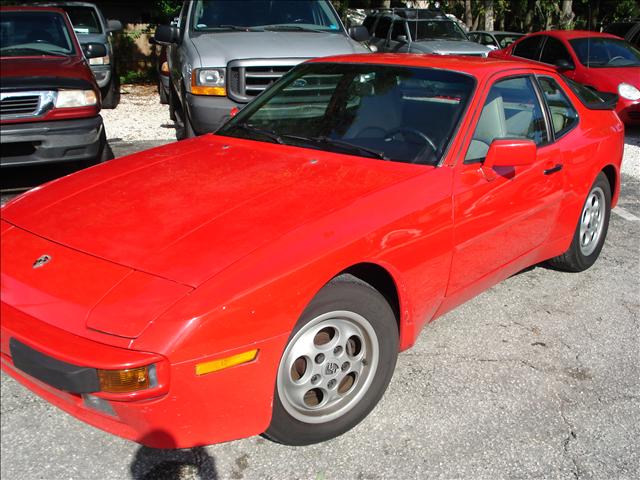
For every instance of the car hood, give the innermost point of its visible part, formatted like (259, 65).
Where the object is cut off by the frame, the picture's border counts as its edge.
(217, 49)
(450, 47)
(608, 79)
(49, 67)
(186, 211)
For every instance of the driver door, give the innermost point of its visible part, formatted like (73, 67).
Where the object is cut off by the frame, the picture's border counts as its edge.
(500, 220)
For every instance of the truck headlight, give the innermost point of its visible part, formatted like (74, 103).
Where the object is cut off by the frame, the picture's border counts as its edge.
(628, 91)
(208, 81)
(76, 98)
(106, 60)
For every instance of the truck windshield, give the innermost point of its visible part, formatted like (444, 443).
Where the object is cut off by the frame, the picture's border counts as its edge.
(386, 112)
(24, 33)
(297, 15)
(84, 19)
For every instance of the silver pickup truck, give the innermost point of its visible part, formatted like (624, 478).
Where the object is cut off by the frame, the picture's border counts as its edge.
(223, 53)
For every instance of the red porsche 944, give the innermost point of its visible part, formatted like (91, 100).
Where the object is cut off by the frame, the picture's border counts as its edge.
(262, 280)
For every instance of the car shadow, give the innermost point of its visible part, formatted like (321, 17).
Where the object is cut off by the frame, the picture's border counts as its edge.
(172, 464)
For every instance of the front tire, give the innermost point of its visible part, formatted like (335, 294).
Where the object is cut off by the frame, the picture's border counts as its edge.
(591, 230)
(336, 365)
(111, 95)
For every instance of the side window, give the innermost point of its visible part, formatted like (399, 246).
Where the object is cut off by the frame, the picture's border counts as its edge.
(398, 29)
(528, 48)
(553, 51)
(182, 25)
(563, 116)
(369, 22)
(383, 27)
(512, 110)
(487, 40)
(473, 37)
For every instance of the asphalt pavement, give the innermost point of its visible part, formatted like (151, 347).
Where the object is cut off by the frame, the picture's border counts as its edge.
(539, 377)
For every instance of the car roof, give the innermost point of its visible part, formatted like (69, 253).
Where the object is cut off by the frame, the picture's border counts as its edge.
(478, 67)
(573, 34)
(32, 8)
(497, 32)
(70, 4)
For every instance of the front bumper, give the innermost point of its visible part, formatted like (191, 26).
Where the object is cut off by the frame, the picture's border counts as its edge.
(51, 142)
(629, 111)
(190, 410)
(208, 113)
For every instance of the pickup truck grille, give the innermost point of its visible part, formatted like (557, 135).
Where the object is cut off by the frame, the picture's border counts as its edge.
(25, 104)
(248, 78)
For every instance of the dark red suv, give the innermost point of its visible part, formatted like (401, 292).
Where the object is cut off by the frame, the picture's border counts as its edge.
(49, 99)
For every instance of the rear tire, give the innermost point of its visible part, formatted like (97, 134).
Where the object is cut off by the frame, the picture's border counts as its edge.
(336, 365)
(591, 230)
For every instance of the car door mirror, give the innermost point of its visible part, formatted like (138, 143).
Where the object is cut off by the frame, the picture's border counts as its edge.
(166, 34)
(507, 152)
(114, 25)
(94, 50)
(563, 64)
(359, 33)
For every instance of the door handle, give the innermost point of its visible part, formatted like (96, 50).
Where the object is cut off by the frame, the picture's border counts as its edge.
(552, 170)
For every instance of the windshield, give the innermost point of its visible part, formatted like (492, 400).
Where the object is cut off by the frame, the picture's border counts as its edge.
(34, 34)
(429, 29)
(379, 111)
(504, 39)
(84, 19)
(605, 52)
(303, 15)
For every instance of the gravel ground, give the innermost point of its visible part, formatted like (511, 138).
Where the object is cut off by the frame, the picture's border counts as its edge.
(139, 117)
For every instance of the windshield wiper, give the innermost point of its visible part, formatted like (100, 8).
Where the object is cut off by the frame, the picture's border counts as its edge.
(238, 28)
(350, 147)
(247, 127)
(296, 28)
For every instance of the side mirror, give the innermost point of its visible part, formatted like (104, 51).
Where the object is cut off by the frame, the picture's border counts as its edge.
(507, 152)
(401, 38)
(114, 25)
(563, 64)
(94, 50)
(359, 33)
(166, 34)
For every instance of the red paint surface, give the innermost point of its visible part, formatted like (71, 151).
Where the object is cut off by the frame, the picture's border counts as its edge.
(214, 246)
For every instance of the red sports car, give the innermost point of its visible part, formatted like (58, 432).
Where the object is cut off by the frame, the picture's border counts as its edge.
(603, 62)
(264, 279)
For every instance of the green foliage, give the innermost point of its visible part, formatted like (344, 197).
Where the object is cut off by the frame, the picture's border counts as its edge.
(167, 9)
(132, 76)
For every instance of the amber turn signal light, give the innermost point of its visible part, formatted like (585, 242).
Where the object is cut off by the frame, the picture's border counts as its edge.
(222, 363)
(129, 380)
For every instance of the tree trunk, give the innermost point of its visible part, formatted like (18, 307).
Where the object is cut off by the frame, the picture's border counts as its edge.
(566, 15)
(468, 14)
(488, 15)
(386, 4)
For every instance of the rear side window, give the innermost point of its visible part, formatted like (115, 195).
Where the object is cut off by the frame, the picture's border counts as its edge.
(512, 110)
(553, 51)
(563, 116)
(528, 48)
(591, 99)
(383, 27)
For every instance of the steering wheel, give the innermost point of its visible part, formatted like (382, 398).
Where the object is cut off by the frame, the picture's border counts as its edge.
(412, 131)
(618, 57)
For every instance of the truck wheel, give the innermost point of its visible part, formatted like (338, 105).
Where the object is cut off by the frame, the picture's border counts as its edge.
(111, 96)
(336, 365)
